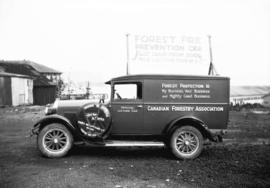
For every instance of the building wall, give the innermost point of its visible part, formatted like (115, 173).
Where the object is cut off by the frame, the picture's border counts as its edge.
(266, 101)
(5, 91)
(22, 91)
(246, 99)
(44, 95)
(30, 84)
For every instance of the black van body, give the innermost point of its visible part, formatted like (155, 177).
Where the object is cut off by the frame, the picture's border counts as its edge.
(179, 111)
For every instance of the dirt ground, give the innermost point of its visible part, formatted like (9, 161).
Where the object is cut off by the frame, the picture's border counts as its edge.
(243, 160)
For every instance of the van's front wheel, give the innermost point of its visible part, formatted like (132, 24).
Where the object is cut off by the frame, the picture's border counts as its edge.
(186, 142)
(54, 140)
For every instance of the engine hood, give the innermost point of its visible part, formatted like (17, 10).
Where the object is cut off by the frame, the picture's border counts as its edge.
(72, 106)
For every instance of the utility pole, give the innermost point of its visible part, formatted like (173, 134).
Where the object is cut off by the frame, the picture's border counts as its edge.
(127, 43)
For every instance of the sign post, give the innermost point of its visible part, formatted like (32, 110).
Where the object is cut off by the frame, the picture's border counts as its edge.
(212, 70)
(127, 36)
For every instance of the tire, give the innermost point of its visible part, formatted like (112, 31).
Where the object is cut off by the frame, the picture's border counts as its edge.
(186, 142)
(54, 140)
(94, 121)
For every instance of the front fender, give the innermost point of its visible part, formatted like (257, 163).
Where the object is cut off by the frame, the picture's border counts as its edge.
(55, 118)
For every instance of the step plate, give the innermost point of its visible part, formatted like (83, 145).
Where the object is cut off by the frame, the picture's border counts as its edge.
(133, 143)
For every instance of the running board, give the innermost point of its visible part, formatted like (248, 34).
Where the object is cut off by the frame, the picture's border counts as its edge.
(114, 143)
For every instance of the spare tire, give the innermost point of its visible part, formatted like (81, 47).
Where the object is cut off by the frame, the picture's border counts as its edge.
(94, 121)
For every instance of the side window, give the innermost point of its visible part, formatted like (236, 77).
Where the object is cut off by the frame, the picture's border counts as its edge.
(128, 91)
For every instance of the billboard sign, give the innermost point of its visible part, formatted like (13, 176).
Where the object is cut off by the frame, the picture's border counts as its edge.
(168, 54)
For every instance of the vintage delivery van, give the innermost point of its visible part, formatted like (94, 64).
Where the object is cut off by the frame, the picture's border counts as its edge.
(180, 112)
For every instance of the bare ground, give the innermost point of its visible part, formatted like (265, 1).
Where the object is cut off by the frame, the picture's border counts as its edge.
(242, 161)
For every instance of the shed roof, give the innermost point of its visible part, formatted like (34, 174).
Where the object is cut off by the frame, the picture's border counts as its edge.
(26, 69)
(42, 68)
(38, 67)
(5, 74)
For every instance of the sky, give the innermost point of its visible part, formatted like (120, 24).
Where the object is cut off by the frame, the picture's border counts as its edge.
(86, 40)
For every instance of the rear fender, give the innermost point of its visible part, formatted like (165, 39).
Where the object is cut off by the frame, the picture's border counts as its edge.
(192, 121)
(38, 126)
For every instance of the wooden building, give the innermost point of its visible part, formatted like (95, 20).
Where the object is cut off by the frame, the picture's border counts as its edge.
(44, 89)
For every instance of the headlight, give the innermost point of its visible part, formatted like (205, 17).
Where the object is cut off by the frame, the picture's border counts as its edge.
(51, 109)
(46, 110)
(55, 104)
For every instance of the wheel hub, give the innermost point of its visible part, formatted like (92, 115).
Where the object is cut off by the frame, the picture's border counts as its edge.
(186, 142)
(55, 140)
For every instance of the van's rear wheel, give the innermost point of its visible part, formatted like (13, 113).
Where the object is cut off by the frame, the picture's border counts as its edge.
(186, 142)
(54, 140)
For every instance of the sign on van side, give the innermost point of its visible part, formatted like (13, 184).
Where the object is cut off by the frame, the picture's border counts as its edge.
(181, 108)
(185, 90)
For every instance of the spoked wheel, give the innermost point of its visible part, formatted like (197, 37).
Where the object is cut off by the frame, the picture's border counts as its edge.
(54, 140)
(186, 142)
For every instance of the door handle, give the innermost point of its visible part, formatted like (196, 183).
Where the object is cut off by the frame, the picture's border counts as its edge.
(139, 106)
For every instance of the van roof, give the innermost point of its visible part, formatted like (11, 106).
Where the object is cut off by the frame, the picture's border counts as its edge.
(164, 77)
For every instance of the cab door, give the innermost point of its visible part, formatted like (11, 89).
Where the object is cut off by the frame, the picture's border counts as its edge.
(127, 108)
